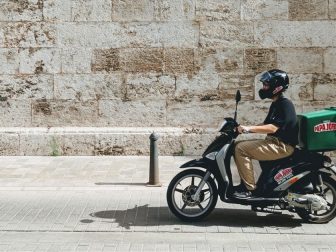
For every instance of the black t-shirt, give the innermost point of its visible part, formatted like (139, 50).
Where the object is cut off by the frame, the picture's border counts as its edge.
(282, 114)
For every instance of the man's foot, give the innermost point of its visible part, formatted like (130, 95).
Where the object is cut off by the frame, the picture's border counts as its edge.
(240, 188)
(243, 194)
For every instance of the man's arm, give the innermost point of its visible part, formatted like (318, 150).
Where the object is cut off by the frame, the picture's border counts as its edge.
(261, 129)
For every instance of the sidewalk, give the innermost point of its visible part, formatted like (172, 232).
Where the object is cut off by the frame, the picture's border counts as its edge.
(102, 204)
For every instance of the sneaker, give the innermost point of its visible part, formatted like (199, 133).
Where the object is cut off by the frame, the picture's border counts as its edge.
(243, 195)
(240, 188)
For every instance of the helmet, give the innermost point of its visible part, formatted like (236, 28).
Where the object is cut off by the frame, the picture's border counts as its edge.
(277, 81)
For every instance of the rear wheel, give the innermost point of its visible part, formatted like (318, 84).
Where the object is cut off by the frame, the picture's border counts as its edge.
(322, 216)
(180, 191)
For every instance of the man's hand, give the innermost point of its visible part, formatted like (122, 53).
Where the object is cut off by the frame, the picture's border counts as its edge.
(243, 129)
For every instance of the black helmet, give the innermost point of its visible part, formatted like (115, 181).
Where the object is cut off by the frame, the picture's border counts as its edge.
(277, 80)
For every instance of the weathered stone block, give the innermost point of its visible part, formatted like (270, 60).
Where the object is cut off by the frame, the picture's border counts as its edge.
(92, 10)
(216, 10)
(203, 85)
(10, 62)
(140, 86)
(76, 60)
(332, 9)
(15, 113)
(226, 60)
(259, 59)
(78, 144)
(194, 113)
(295, 34)
(308, 9)
(89, 87)
(224, 34)
(229, 85)
(264, 9)
(128, 10)
(40, 60)
(106, 60)
(306, 60)
(27, 34)
(330, 60)
(23, 87)
(9, 144)
(21, 10)
(174, 10)
(64, 113)
(57, 10)
(258, 109)
(300, 87)
(179, 61)
(40, 144)
(195, 144)
(121, 144)
(142, 60)
(310, 106)
(325, 87)
(132, 113)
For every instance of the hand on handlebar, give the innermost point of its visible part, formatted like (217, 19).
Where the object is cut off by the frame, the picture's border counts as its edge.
(243, 129)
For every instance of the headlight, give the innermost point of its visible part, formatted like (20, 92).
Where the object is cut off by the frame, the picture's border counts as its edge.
(211, 155)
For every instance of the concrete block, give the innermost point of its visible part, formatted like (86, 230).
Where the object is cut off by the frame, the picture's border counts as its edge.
(76, 60)
(324, 88)
(204, 84)
(28, 34)
(229, 85)
(22, 87)
(330, 60)
(132, 113)
(226, 34)
(308, 10)
(309, 106)
(21, 10)
(57, 10)
(15, 113)
(64, 113)
(300, 60)
(149, 86)
(91, 10)
(40, 144)
(196, 144)
(258, 109)
(178, 61)
(85, 87)
(106, 60)
(195, 113)
(300, 87)
(9, 144)
(216, 10)
(226, 60)
(295, 33)
(257, 60)
(9, 59)
(141, 60)
(264, 9)
(40, 60)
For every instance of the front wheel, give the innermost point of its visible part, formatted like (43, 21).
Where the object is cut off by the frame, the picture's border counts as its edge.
(322, 216)
(180, 192)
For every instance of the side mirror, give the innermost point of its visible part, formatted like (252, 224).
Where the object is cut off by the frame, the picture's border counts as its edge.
(238, 96)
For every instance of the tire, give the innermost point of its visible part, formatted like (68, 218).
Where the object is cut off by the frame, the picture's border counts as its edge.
(327, 215)
(179, 193)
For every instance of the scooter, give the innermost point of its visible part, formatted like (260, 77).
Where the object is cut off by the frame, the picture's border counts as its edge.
(302, 183)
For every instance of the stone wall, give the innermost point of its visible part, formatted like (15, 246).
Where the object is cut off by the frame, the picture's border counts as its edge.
(95, 77)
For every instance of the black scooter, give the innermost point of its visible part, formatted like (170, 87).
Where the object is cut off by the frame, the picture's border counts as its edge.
(302, 183)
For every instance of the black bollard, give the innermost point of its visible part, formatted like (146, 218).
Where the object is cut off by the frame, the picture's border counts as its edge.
(154, 179)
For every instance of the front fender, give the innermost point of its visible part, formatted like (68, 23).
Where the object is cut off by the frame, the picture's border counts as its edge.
(202, 162)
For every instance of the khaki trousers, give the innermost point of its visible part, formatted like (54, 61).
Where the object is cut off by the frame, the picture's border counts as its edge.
(270, 148)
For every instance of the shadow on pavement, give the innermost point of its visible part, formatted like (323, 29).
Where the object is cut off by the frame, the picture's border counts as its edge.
(154, 216)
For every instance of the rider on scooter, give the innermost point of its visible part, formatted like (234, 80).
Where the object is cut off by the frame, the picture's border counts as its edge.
(280, 126)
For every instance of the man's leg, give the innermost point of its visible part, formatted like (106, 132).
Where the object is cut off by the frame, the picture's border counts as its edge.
(268, 149)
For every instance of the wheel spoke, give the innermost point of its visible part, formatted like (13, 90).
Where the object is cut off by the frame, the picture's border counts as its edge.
(192, 180)
(200, 206)
(205, 190)
(179, 190)
(184, 206)
(329, 204)
(326, 190)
